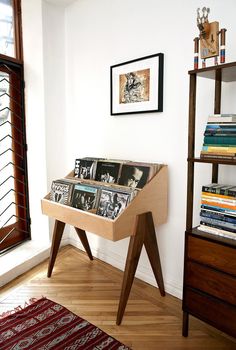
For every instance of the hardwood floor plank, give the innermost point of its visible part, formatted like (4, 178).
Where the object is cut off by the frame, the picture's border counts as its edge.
(91, 289)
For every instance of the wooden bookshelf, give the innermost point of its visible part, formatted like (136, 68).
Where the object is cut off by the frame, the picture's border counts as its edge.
(138, 221)
(209, 290)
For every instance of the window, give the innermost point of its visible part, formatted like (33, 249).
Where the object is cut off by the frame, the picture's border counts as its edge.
(14, 205)
(6, 28)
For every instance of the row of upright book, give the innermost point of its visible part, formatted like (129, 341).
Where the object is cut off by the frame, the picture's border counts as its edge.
(220, 137)
(218, 210)
(102, 186)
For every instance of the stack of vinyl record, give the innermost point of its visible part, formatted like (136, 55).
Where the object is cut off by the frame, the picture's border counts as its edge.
(220, 137)
(218, 210)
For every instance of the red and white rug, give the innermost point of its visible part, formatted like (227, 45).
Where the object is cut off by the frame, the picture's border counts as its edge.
(46, 325)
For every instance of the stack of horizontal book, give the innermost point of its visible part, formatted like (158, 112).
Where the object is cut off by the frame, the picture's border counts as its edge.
(218, 210)
(220, 137)
(103, 186)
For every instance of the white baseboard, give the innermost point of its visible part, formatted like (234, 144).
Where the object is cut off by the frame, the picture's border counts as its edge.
(143, 273)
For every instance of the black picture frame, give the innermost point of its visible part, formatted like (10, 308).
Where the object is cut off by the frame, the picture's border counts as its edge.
(136, 86)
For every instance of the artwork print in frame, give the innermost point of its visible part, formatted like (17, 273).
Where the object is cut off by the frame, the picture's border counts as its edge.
(137, 85)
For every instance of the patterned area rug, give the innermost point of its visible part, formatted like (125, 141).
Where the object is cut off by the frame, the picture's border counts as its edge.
(45, 325)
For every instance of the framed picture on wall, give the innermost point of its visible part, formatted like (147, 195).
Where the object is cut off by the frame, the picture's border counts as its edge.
(137, 85)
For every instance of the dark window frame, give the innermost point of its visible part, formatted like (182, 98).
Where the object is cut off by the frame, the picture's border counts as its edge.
(16, 67)
(18, 41)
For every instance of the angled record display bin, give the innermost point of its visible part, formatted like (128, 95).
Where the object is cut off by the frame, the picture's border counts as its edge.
(138, 221)
(152, 198)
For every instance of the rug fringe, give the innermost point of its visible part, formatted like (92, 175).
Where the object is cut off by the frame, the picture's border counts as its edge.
(19, 307)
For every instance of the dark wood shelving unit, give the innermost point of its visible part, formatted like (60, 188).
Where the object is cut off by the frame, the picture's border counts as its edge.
(209, 291)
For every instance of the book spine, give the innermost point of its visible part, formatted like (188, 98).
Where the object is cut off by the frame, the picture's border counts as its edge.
(232, 192)
(219, 199)
(221, 125)
(222, 115)
(210, 188)
(221, 193)
(219, 148)
(216, 232)
(224, 140)
(218, 216)
(214, 128)
(222, 224)
(222, 120)
(220, 133)
(218, 204)
(220, 209)
(217, 156)
(219, 227)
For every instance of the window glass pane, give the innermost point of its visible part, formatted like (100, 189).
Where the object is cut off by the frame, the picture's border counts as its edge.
(7, 193)
(7, 46)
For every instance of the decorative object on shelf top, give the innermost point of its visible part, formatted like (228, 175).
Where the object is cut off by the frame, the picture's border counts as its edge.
(209, 39)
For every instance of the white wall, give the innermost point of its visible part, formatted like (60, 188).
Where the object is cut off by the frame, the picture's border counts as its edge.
(70, 53)
(35, 116)
(53, 20)
(106, 32)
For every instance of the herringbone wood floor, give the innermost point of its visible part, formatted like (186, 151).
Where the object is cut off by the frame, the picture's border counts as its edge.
(91, 289)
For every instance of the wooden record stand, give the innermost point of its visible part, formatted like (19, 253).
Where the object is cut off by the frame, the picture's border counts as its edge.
(147, 210)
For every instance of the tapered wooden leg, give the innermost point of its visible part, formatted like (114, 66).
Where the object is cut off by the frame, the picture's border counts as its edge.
(84, 240)
(134, 251)
(56, 240)
(144, 234)
(185, 324)
(150, 243)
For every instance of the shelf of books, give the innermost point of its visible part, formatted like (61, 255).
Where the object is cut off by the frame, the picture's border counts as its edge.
(108, 209)
(218, 211)
(209, 265)
(218, 201)
(220, 138)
